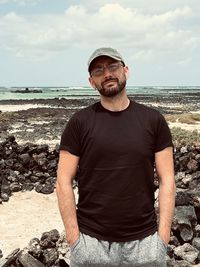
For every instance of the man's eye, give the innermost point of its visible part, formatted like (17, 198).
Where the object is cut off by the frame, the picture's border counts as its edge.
(112, 66)
(99, 70)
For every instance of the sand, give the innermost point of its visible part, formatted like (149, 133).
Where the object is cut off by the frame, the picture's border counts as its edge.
(27, 215)
(12, 108)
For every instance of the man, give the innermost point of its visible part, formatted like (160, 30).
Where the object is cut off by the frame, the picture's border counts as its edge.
(114, 144)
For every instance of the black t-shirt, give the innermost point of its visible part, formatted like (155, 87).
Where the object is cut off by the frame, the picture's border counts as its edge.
(116, 169)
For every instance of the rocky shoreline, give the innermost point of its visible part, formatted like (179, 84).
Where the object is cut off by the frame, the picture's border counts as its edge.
(46, 123)
(26, 163)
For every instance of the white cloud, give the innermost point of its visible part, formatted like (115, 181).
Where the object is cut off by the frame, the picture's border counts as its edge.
(150, 7)
(39, 36)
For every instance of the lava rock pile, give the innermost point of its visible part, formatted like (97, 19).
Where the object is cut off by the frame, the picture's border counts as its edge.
(51, 250)
(184, 246)
(26, 167)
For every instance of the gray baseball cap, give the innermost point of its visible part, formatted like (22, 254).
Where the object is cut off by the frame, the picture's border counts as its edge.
(105, 51)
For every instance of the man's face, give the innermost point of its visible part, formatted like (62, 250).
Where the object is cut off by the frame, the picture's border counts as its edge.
(108, 76)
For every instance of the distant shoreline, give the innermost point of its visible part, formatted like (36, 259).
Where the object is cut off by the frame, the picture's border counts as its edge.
(43, 120)
(81, 92)
(187, 101)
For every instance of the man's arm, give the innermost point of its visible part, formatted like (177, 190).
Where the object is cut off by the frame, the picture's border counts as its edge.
(167, 191)
(67, 168)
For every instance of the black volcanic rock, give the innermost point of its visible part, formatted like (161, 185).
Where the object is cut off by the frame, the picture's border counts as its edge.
(15, 187)
(49, 239)
(184, 221)
(193, 165)
(50, 255)
(47, 189)
(183, 197)
(27, 260)
(26, 167)
(25, 158)
(187, 252)
(34, 247)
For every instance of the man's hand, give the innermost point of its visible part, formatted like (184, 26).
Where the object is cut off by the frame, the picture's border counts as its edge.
(165, 236)
(72, 239)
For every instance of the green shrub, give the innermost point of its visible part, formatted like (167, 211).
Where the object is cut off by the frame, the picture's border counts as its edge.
(184, 137)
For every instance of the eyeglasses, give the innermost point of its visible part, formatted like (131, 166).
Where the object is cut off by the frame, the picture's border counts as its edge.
(97, 72)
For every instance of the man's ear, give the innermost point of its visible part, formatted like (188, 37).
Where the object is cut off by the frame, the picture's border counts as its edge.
(92, 82)
(126, 71)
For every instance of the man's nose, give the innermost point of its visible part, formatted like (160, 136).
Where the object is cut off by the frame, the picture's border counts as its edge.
(106, 72)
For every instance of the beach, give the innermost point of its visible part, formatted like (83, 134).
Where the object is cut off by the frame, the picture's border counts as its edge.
(29, 214)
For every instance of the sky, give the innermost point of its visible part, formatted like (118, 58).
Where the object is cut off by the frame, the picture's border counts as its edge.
(48, 42)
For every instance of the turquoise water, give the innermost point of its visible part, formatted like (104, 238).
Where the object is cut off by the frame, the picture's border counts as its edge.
(87, 92)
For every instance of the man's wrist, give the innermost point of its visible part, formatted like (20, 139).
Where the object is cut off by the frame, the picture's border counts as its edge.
(165, 236)
(71, 239)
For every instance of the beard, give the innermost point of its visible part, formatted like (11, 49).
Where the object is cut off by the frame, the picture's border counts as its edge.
(112, 90)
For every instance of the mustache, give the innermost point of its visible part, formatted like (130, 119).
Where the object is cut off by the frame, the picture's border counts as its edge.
(110, 80)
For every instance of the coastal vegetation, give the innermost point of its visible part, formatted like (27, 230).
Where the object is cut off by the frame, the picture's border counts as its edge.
(189, 118)
(184, 137)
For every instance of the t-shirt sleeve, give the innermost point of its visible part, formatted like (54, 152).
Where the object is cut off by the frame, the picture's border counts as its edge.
(163, 136)
(70, 139)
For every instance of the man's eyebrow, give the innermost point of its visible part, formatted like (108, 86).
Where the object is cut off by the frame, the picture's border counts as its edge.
(97, 65)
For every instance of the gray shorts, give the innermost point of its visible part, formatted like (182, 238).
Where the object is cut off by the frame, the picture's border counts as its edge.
(89, 251)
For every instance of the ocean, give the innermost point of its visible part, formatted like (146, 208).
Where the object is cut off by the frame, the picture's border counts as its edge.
(76, 92)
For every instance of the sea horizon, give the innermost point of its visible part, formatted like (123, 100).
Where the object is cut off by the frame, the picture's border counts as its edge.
(78, 92)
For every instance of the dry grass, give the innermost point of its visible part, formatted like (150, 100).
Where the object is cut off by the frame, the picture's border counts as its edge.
(189, 118)
(184, 137)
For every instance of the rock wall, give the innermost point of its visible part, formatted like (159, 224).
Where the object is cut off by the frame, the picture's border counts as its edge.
(184, 246)
(26, 168)
(33, 167)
